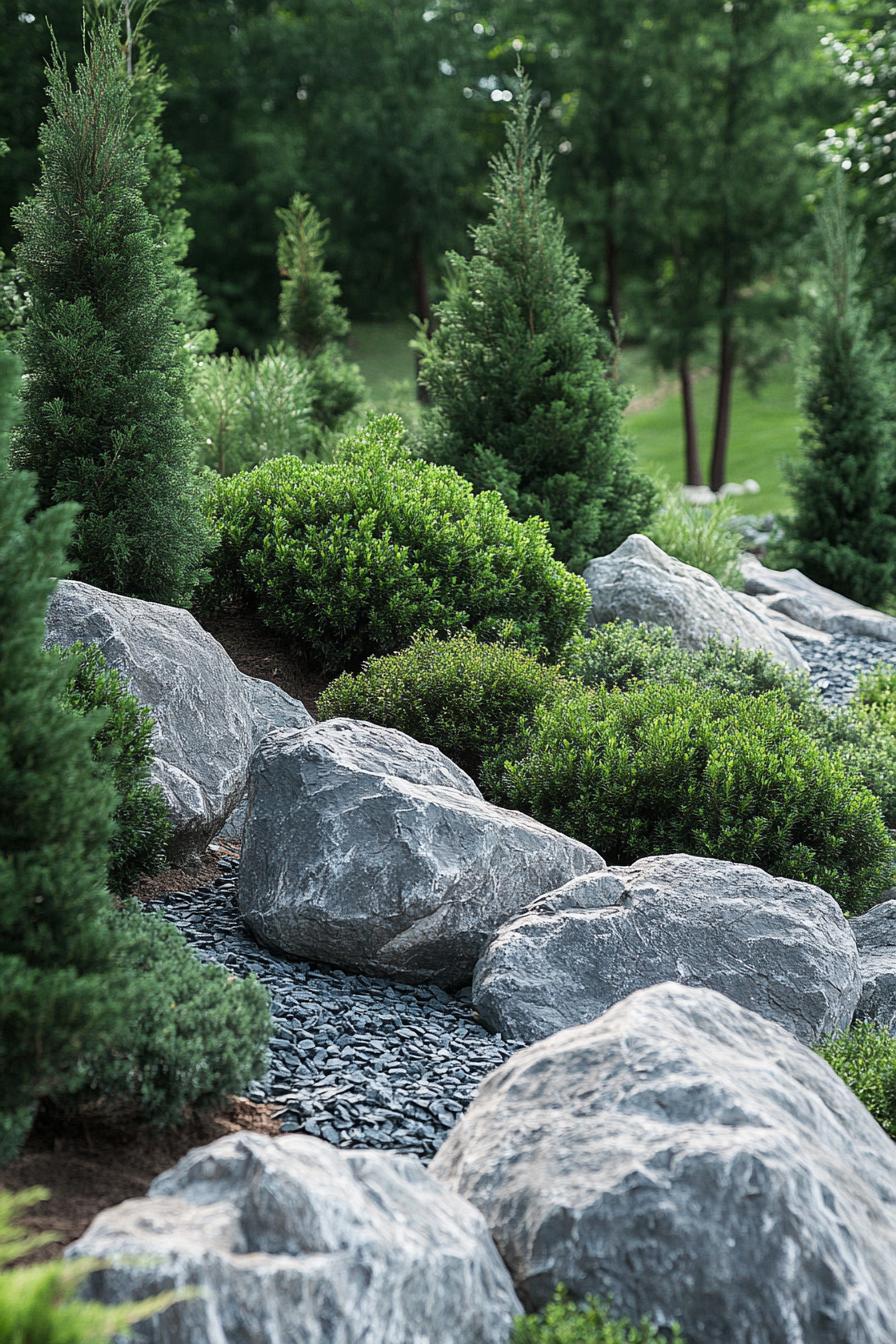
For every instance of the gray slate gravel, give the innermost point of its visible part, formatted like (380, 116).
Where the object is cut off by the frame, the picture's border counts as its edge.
(355, 1060)
(835, 670)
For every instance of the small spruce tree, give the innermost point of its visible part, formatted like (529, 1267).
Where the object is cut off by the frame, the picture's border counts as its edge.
(312, 320)
(103, 404)
(841, 532)
(56, 936)
(517, 369)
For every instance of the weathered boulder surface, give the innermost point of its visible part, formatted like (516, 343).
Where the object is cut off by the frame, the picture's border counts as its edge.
(370, 851)
(790, 593)
(291, 1239)
(875, 934)
(639, 582)
(692, 1161)
(785, 625)
(780, 948)
(208, 715)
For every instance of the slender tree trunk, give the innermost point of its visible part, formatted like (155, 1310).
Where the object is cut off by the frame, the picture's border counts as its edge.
(611, 268)
(422, 307)
(722, 427)
(693, 472)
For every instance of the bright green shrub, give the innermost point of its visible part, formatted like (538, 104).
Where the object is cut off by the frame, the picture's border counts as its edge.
(865, 1058)
(353, 557)
(665, 769)
(123, 745)
(41, 1304)
(588, 1322)
(876, 691)
(188, 1033)
(700, 535)
(244, 411)
(464, 697)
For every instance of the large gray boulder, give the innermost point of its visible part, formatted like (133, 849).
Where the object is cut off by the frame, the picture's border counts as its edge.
(208, 715)
(639, 582)
(289, 1239)
(691, 1161)
(875, 934)
(789, 593)
(783, 949)
(371, 851)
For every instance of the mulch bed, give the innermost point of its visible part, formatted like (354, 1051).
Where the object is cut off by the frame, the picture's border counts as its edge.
(90, 1166)
(261, 653)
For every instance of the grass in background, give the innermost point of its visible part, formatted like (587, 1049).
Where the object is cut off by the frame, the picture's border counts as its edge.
(765, 429)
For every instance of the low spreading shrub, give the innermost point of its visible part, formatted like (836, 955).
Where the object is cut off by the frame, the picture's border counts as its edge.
(588, 1322)
(665, 769)
(41, 1304)
(865, 1058)
(123, 746)
(353, 557)
(466, 698)
(700, 535)
(187, 1032)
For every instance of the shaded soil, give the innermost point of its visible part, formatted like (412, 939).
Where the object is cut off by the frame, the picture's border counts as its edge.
(90, 1166)
(261, 653)
(182, 879)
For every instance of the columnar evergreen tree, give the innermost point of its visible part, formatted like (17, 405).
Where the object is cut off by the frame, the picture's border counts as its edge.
(56, 935)
(517, 368)
(841, 533)
(103, 407)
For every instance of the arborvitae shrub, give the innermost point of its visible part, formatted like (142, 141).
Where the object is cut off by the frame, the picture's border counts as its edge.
(103, 420)
(840, 532)
(517, 368)
(588, 1322)
(353, 557)
(123, 747)
(56, 932)
(466, 698)
(41, 1304)
(670, 769)
(865, 1058)
(189, 1033)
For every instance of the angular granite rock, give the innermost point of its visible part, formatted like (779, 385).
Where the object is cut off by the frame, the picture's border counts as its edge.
(789, 592)
(208, 715)
(639, 582)
(780, 948)
(289, 1239)
(875, 933)
(373, 852)
(691, 1161)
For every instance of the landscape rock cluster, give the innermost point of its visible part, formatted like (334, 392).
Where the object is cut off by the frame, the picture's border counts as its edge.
(208, 716)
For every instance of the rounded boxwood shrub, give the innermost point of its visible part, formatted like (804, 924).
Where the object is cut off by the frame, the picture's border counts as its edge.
(666, 769)
(466, 698)
(590, 1322)
(122, 745)
(865, 1058)
(353, 557)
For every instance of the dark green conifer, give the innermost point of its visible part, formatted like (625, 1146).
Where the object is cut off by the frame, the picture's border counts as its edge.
(841, 532)
(517, 369)
(103, 406)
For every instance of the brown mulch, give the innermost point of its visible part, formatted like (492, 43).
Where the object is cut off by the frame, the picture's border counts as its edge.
(88, 1167)
(179, 879)
(261, 653)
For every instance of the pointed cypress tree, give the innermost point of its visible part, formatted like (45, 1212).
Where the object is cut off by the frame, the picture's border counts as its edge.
(56, 935)
(517, 368)
(103, 406)
(841, 532)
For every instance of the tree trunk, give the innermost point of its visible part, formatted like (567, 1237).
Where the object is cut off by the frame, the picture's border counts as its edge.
(613, 280)
(722, 428)
(693, 472)
(421, 307)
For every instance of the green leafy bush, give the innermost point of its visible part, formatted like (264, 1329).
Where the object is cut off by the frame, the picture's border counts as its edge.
(700, 535)
(353, 557)
(663, 769)
(41, 1304)
(244, 411)
(588, 1322)
(865, 1058)
(123, 745)
(188, 1032)
(464, 697)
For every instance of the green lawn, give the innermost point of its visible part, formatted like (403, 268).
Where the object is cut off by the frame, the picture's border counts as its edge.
(765, 429)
